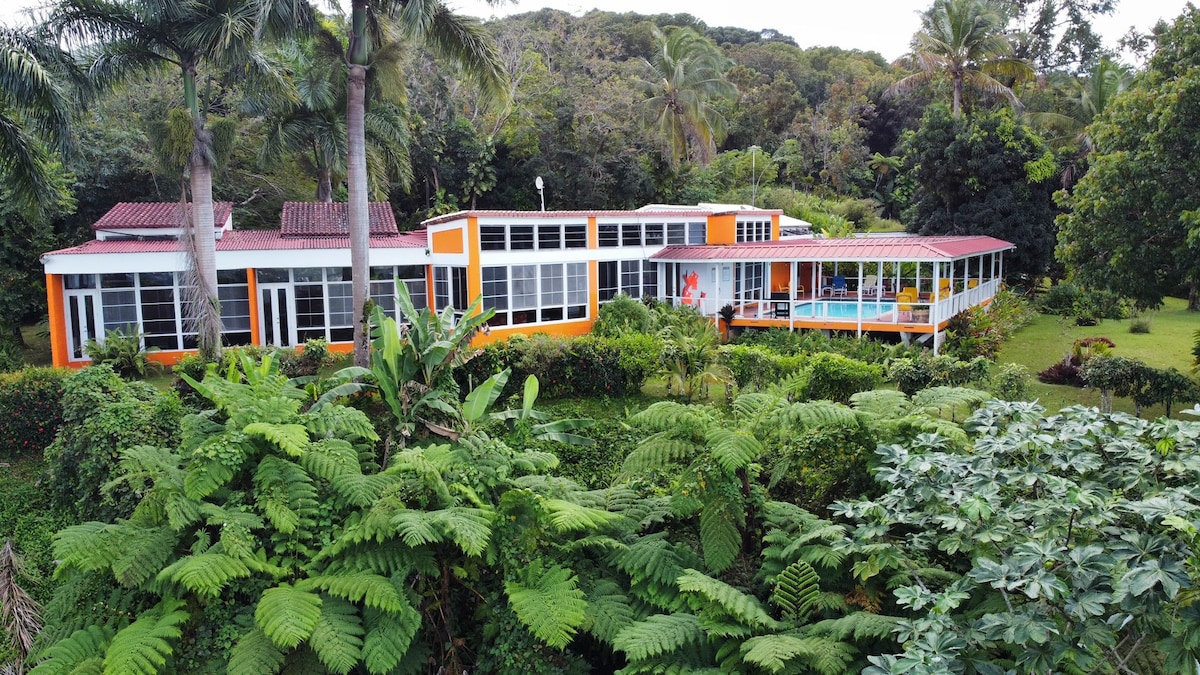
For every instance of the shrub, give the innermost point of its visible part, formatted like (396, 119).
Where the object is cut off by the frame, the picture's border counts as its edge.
(1092, 306)
(10, 357)
(103, 414)
(757, 366)
(1196, 350)
(1010, 382)
(622, 315)
(1060, 299)
(834, 377)
(30, 410)
(1140, 324)
(122, 351)
(821, 465)
(1063, 372)
(304, 362)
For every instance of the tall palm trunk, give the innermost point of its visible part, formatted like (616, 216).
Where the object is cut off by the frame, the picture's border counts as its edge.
(356, 180)
(206, 307)
(324, 185)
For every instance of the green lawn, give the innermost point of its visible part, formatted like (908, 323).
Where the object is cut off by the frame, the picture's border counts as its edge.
(1049, 338)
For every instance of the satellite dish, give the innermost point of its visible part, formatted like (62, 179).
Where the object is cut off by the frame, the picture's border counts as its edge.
(537, 182)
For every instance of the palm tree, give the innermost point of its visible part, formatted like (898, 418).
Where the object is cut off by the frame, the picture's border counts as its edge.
(314, 125)
(34, 114)
(124, 37)
(429, 23)
(684, 81)
(964, 40)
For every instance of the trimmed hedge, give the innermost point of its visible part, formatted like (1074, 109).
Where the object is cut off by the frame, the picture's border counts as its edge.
(30, 410)
(567, 367)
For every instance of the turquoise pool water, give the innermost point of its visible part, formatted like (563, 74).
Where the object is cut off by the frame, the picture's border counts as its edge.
(842, 310)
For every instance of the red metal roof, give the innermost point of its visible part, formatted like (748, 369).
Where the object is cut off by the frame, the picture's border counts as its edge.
(650, 214)
(328, 219)
(154, 215)
(245, 240)
(873, 248)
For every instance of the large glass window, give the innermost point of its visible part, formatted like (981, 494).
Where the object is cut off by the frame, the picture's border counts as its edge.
(609, 279)
(631, 273)
(654, 234)
(676, 233)
(119, 302)
(577, 290)
(159, 326)
(524, 293)
(697, 233)
(552, 292)
(495, 294)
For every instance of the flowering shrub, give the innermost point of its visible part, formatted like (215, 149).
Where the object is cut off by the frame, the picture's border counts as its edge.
(30, 410)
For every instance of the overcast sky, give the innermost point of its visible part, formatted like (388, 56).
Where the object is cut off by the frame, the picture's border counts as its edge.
(885, 26)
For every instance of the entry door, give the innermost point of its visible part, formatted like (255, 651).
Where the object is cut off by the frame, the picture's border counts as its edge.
(278, 326)
(83, 321)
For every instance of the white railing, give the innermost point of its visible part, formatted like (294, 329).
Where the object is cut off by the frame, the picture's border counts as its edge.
(862, 309)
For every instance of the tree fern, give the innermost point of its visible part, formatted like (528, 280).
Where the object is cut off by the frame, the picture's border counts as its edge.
(82, 652)
(341, 422)
(469, 528)
(337, 639)
(548, 601)
(284, 491)
(91, 546)
(819, 414)
(720, 533)
(206, 574)
(675, 417)
(659, 634)
(359, 489)
(796, 590)
(254, 654)
(861, 626)
(881, 402)
(776, 652)
(608, 610)
(144, 645)
(143, 555)
(214, 463)
(735, 604)
(372, 590)
(733, 449)
(329, 458)
(567, 516)
(653, 561)
(291, 438)
(389, 635)
(287, 614)
(657, 453)
(945, 401)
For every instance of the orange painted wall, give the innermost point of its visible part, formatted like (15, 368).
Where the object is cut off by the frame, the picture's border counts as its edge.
(571, 329)
(593, 233)
(781, 275)
(255, 319)
(58, 322)
(775, 227)
(451, 241)
(474, 272)
(722, 229)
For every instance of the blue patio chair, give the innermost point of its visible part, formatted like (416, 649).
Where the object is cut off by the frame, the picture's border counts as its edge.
(837, 288)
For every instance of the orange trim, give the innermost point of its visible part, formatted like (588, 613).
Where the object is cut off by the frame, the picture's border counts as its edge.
(474, 274)
(594, 289)
(593, 233)
(252, 291)
(722, 229)
(59, 351)
(775, 227)
(566, 329)
(450, 241)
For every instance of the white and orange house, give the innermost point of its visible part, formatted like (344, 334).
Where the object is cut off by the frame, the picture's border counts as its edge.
(541, 271)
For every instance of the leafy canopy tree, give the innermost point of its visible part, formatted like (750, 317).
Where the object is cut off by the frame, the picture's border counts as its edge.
(457, 39)
(983, 174)
(1133, 226)
(122, 38)
(964, 42)
(685, 81)
(1058, 34)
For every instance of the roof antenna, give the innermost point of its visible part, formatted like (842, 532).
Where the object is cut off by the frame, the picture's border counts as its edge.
(537, 182)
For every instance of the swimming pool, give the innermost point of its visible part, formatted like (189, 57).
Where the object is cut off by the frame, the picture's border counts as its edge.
(842, 310)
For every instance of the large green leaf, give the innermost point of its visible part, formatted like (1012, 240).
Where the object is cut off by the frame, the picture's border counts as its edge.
(287, 614)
